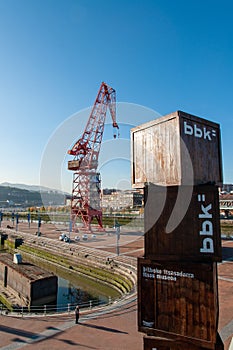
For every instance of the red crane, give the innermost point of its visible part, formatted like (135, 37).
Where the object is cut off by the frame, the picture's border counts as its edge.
(86, 190)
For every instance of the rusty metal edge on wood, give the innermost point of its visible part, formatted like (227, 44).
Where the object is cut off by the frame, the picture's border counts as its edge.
(178, 339)
(177, 344)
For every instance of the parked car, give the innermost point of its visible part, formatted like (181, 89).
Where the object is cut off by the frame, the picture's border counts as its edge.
(67, 239)
(62, 236)
(77, 238)
(85, 237)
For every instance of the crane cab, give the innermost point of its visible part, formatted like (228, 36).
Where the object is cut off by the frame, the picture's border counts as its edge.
(73, 164)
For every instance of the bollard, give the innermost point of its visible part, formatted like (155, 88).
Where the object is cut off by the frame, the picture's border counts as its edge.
(90, 304)
(44, 310)
(109, 300)
(68, 308)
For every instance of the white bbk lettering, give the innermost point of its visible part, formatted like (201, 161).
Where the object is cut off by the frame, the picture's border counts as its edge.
(207, 227)
(199, 132)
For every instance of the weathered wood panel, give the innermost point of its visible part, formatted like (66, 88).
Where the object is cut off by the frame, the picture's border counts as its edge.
(178, 149)
(182, 223)
(156, 151)
(178, 300)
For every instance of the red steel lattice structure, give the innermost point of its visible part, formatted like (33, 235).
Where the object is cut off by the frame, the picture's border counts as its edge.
(86, 192)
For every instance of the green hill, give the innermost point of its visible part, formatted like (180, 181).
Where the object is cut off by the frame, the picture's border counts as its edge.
(16, 197)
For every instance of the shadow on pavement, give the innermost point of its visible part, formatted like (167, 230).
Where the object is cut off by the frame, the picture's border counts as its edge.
(70, 342)
(18, 332)
(102, 328)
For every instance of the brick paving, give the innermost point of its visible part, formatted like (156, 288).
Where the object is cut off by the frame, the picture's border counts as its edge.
(116, 330)
(110, 331)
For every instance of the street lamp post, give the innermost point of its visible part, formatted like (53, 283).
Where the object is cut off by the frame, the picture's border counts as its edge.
(17, 221)
(70, 228)
(118, 231)
(39, 225)
(13, 217)
(29, 218)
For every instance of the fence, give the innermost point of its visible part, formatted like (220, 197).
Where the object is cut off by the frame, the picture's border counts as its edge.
(46, 310)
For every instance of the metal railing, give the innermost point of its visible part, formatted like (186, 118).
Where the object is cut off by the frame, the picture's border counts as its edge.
(48, 310)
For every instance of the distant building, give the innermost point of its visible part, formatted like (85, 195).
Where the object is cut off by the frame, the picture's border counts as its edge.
(118, 200)
(227, 188)
(109, 191)
(226, 201)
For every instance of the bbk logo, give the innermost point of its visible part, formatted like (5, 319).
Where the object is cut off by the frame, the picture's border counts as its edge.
(207, 231)
(199, 131)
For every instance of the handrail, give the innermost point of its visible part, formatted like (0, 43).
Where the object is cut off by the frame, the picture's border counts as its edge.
(48, 310)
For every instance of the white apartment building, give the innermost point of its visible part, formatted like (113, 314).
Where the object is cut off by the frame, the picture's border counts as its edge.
(122, 199)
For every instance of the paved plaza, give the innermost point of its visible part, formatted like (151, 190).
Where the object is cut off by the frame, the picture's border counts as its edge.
(112, 328)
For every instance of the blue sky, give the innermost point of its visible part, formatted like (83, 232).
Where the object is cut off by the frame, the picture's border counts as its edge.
(165, 55)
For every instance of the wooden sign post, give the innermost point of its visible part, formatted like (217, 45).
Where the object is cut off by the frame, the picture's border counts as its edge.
(195, 236)
(177, 159)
